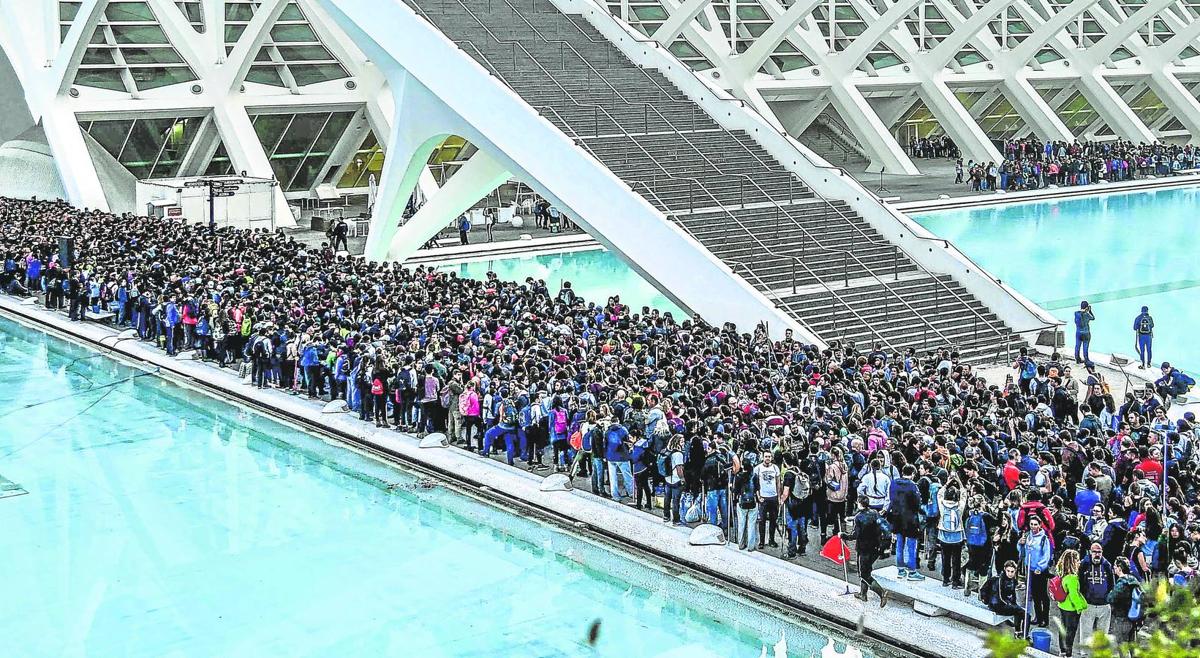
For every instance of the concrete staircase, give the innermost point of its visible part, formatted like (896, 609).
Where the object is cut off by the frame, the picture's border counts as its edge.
(830, 146)
(816, 259)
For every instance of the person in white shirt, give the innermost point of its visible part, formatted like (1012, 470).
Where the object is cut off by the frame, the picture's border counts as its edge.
(875, 485)
(768, 498)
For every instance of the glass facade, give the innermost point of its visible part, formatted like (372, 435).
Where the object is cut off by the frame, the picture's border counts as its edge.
(299, 146)
(292, 54)
(148, 148)
(367, 161)
(129, 50)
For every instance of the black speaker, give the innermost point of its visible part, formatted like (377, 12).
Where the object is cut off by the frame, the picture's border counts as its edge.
(66, 251)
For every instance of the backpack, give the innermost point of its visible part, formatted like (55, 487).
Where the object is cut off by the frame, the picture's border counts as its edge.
(801, 488)
(407, 380)
(1056, 589)
(748, 499)
(464, 403)
(1144, 326)
(930, 509)
(976, 530)
(1187, 380)
(663, 463)
(1028, 369)
(636, 422)
(376, 387)
(508, 413)
(260, 350)
(560, 420)
(1135, 604)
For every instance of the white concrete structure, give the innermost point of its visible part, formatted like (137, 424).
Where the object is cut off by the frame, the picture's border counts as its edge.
(163, 88)
(977, 70)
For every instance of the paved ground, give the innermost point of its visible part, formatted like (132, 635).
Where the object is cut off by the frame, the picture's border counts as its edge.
(448, 236)
(936, 179)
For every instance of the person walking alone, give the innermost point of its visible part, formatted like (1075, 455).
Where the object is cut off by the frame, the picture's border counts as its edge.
(1143, 331)
(1083, 332)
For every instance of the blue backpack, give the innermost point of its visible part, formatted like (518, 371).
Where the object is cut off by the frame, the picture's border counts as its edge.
(976, 530)
(1028, 368)
(1187, 380)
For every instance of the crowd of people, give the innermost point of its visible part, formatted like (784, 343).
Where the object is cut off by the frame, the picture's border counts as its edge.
(1031, 164)
(1012, 493)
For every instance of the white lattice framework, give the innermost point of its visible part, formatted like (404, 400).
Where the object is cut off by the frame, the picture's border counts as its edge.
(977, 70)
(218, 61)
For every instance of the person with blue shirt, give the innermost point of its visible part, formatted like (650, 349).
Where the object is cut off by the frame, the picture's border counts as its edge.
(311, 364)
(1083, 332)
(616, 452)
(1036, 552)
(1143, 330)
(170, 320)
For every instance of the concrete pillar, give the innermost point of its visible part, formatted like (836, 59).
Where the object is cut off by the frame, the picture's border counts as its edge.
(957, 122)
(481, 175)
(79, 177)
(885, 151)
(1181, 103)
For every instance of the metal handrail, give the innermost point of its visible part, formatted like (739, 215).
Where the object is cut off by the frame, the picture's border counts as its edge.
(847, 253)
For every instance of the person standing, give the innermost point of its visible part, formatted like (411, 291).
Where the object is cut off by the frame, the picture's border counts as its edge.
(796, 491)
(673, 479)
(1121, 599)
(341, 231)
(950, 533)
(620, 472)
(1083, 332)
(767, 474)
(1143, 331)
(1073, 606)
(464, 229)
(1096, 581)
(747, 494)
(904, 505)
(867, 533)
(1036, 552)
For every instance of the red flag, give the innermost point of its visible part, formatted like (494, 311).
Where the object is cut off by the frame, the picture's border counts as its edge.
(836, 550)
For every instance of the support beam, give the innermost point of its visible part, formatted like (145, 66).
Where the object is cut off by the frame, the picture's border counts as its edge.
(746, 64)
(957, 122)
(1037, 114)
(1115, 112)
(1181, 103)
(669, 30)
(797, 116)
(246, 153)
(75, 168)
(878, 26)
(237, 63)
(1118, 34)
(476, 179)
(966, 31)
(886, 153)
(203, 147)
(70, 54)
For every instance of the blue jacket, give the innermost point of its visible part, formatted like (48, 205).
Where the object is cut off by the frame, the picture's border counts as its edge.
(171, 314)
(1085, 500)
(904, 503)
(1037, 551)
(309, 357)
(614, 438)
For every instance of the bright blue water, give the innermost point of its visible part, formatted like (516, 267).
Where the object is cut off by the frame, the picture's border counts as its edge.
(163, 522)
(595, 275)
(1117, 251)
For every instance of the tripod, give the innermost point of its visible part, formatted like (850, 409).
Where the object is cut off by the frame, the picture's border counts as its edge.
(881, 188)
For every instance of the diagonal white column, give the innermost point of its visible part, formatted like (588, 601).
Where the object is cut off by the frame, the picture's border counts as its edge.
(246, 153)
(71, 157)
(480, 176)
(886, 153)
(669, 30)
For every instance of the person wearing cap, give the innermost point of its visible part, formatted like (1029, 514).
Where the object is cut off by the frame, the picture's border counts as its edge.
(1143, 331)
(1083, 332)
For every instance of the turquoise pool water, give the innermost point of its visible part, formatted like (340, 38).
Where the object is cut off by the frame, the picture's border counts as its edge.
(163, 522)
(1117, 251)
(595, 274)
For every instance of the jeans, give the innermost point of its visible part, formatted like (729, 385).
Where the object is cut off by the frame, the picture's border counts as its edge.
(717, 503)
(747, 528)
(906, 552)
(598, 469)
(1066, 641)
(1144, 348)
(1082, 340)
(674, 496)
(1094, 619)
(797, 525)
(624, 472)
